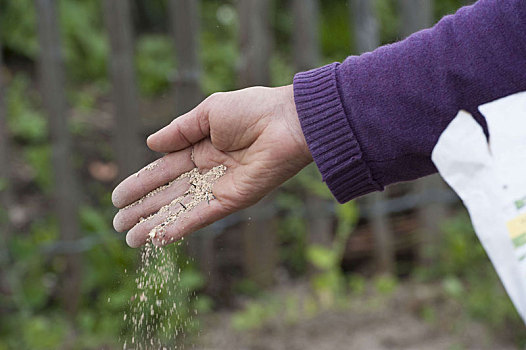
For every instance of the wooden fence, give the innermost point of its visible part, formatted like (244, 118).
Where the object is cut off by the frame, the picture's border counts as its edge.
(257, 237)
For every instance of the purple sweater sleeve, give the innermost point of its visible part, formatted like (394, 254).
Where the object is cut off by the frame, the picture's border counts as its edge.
(374, 119)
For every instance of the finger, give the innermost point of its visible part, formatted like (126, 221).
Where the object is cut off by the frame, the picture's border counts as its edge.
(139, 234)
(183, 131)
(127, 217)
(223, 203)
(202, 215)
(152, 177)
(199, 209)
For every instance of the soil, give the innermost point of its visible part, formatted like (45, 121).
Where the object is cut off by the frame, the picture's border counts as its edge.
(395, 322)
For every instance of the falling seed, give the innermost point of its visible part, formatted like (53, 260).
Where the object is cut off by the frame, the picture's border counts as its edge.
(151, 309)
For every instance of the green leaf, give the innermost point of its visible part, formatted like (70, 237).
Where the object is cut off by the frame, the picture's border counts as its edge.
(322, 257)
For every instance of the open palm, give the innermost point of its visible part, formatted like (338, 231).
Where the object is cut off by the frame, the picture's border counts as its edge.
(254, 132)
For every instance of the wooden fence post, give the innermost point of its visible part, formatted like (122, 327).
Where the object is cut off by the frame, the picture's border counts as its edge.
(5, 183)
(185, 23)
(5, 174)
(255, 41)
(65, 187)
(417, 15)
(129, 153)
(367, 39)
(305, 43)
(259, 234)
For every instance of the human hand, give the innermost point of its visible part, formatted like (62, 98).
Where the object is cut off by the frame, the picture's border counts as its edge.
(254, 132)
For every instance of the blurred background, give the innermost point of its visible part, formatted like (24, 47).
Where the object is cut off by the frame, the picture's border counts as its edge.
(83, 82)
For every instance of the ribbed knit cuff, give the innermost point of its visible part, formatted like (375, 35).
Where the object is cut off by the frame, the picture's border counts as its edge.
(329, 136)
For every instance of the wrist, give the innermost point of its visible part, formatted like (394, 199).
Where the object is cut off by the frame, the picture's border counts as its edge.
(293, 123)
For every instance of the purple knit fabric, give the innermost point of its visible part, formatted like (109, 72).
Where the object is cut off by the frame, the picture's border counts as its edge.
(374, 119)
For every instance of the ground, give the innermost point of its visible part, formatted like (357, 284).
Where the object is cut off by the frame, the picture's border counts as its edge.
(397, 321)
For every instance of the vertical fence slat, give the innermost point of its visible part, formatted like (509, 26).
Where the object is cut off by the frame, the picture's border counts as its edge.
(306, 54)
(185, 25)
(5, 186)
(366, 25)
(65, 187)
(117, 17)
(259, 236)
(5, 176)
(255, 41)
(417, 15)
(306, 47)
(367, 39)
(185, 20)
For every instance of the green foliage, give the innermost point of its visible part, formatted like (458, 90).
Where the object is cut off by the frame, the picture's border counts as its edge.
(255, 314)
(468, 275)
(25, 121)
(292, 231)
(309, 180)
(335, 33)
(329, 282)
(385, 284)
(447, 7)
(389, 20)
(219, 49)
(453, 286)
(287, 308)
(280, 71)
(247, 287)
(44, 334)
(428, 314)
(17, 27)
(357, 284)
(323, 258)
(3, 184)
(155, 63)
(38, 157)
(85, 45)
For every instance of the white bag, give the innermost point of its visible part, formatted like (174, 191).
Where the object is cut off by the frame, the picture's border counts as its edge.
(490, 178)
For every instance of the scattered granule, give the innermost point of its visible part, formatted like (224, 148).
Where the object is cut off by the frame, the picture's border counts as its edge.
(160, 311)
(163, 209)
(200, 190)
(157, 190)
(149, 167)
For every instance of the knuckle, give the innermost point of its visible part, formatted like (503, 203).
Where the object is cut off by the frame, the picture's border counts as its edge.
(215, 98)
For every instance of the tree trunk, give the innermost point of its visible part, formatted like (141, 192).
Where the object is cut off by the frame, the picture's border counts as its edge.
(259, 235)
(185, 20)
(127, 147)
(368, 39)
(65, 187)
(305, 34)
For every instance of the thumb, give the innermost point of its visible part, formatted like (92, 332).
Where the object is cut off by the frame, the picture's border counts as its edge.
(183, 131)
